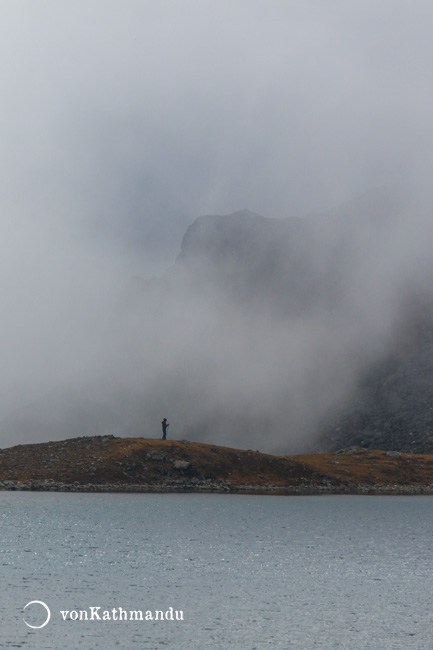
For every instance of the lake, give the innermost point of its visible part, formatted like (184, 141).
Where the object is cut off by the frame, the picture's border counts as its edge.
(243, 572)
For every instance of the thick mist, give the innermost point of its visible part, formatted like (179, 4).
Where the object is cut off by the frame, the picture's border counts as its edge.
(120, 125)
(262, 330)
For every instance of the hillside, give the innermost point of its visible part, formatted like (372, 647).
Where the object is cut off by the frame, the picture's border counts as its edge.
(106, 463)
(393, 406)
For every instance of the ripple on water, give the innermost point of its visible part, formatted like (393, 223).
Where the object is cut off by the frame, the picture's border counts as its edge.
(248, 571)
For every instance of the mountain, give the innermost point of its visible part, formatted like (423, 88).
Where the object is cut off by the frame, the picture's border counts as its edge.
(282, 334)
(393, 408)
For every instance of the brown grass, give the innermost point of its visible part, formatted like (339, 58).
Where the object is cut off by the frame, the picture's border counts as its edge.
(140, 461)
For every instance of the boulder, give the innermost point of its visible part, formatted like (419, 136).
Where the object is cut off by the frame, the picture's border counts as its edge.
(181, 464)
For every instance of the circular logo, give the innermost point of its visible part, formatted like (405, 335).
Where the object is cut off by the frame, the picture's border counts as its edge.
(38, 602)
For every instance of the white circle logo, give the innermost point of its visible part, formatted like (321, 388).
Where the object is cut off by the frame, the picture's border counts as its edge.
(38, 602)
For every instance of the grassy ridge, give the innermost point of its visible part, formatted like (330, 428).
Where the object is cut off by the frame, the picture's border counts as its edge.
(106, 462)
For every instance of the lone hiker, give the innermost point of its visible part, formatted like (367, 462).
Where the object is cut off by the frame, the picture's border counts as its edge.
(165, 426)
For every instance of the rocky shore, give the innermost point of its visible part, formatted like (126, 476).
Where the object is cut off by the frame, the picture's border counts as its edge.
(109, 464)
(51, 486)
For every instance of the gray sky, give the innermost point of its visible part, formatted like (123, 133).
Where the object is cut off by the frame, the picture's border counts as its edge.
(163, 108)
(121, 122)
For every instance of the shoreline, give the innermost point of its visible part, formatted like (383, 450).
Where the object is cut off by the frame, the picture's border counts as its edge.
(259, 490)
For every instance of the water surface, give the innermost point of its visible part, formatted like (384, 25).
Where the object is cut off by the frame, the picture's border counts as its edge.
(248, 572)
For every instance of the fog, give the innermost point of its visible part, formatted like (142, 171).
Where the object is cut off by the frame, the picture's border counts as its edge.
(123, 122)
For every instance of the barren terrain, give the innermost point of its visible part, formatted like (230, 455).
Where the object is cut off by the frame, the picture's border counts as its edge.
(107, 463)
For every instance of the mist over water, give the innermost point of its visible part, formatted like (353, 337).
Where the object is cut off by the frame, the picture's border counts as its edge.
(120, 126)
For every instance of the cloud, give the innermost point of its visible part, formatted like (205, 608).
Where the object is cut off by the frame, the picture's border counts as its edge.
(122, 123)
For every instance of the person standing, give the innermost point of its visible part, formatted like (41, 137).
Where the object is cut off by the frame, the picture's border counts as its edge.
(165, 426)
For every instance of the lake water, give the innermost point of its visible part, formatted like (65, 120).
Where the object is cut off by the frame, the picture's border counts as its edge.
(349, 572)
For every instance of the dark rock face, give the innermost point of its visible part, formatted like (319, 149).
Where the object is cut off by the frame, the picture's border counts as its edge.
(393, 409)
(254, 258)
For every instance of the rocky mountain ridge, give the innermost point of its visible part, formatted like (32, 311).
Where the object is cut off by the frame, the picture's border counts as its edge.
(283, 334)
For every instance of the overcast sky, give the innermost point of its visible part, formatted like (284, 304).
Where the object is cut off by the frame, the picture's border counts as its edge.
(121, 121)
